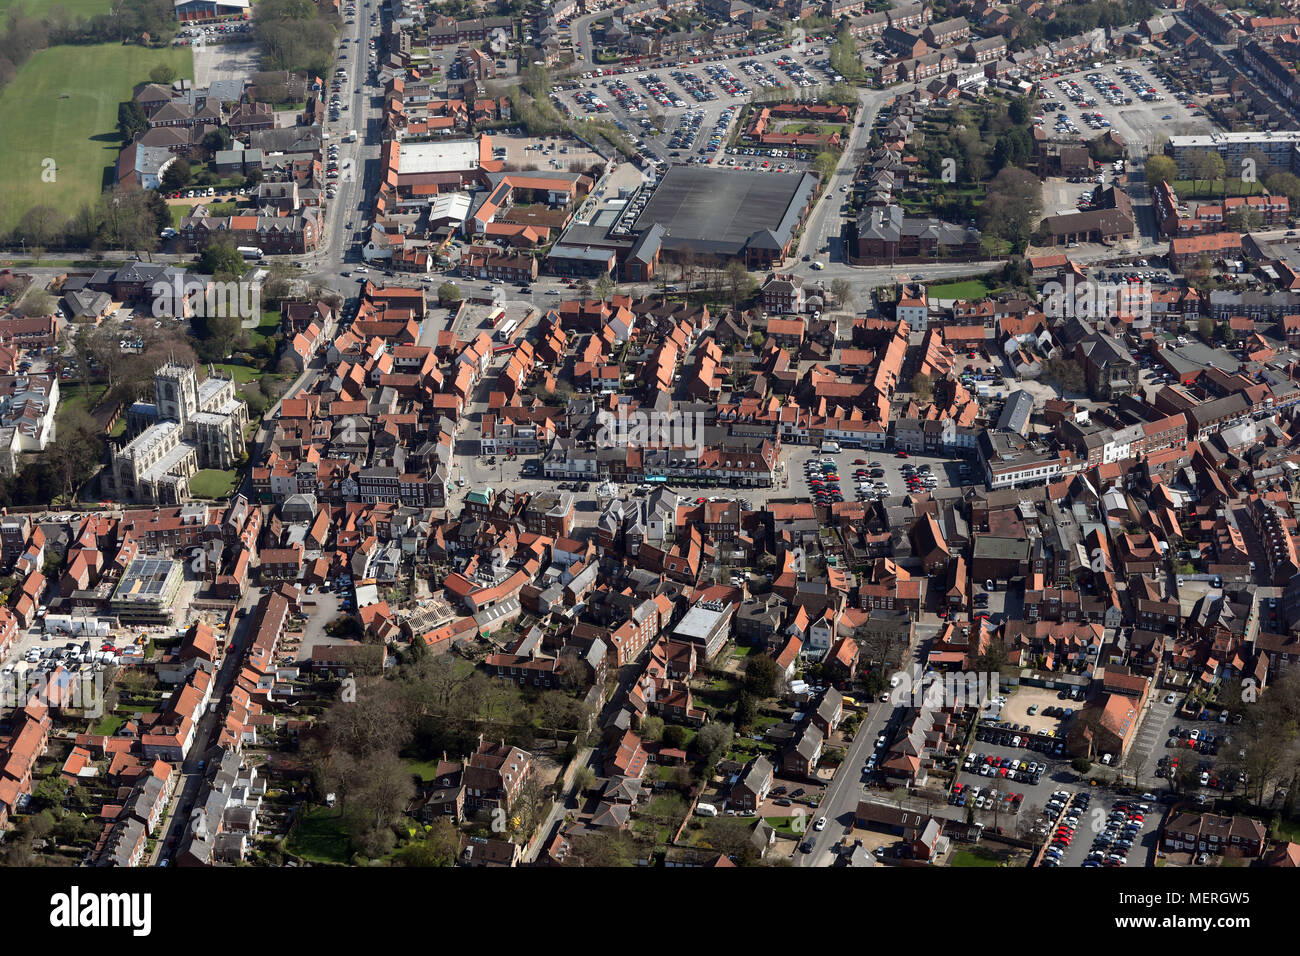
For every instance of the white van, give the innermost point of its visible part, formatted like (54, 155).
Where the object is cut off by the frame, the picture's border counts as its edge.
(706, 810)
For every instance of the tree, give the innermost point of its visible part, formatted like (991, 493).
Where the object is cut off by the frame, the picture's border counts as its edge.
(714, 738)
(842, 293)
(675, 735)
(584, 779)
(923, 387)
(844, 58)
(601, 849)
(824, 165)
(604, 287)
(384, 791)
(131, 121)
(746, 711)
(438, 847)
(1286, 184)
(162, 74)
(1205, 328)
(448, 293)
(1065, 373)
(1012, 206)
(1019, 110)
(36, 302)
(740, 284)
(176, 176)
(1160, 169)
(1245, 219)
(222, 258)
(1205, 165)
(761, 675)
(652, 728)
(132, 218)
(217, 140)
(40, 225)
(993, 657)
(75, 451)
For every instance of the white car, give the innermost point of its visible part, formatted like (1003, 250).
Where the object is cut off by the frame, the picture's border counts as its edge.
(820, 825)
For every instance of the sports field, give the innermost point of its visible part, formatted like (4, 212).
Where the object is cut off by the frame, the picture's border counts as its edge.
(78, 131)
(75, 8)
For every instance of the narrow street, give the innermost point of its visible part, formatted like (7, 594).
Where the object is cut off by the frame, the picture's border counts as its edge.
(191, 778)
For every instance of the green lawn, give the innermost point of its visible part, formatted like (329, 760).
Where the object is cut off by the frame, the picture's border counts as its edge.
(79, 395)
(1286, 830)
(794, 827)
(77, 8)
(108, 724)
(969, 289)
(320, 837)
(178, 213)
(424, 769)
(269, 325)
(210, 483)
(62, 105)
(242, 374)
(1213, 189)
(976, 856)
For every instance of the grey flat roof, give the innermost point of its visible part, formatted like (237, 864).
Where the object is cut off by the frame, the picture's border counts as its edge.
(714, 210)
(585, 253)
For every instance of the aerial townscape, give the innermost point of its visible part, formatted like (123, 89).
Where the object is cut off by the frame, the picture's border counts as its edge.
(673, 433)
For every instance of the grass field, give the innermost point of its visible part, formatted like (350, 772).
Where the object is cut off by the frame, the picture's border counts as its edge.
(77, 8)
(78, 132)
(970, 289)
(211, 483)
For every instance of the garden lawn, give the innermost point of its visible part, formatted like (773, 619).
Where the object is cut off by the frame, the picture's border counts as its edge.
(970, 289)
(78, 131)
(267, 328)
(977, 856)
(424, 769)
(79, 395)
(242, 374)
(210, 483)
(108, 725)
(320, 836)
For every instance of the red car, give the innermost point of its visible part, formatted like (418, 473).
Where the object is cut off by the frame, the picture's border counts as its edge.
(859, 461)
(902, 454)
(699, 501)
